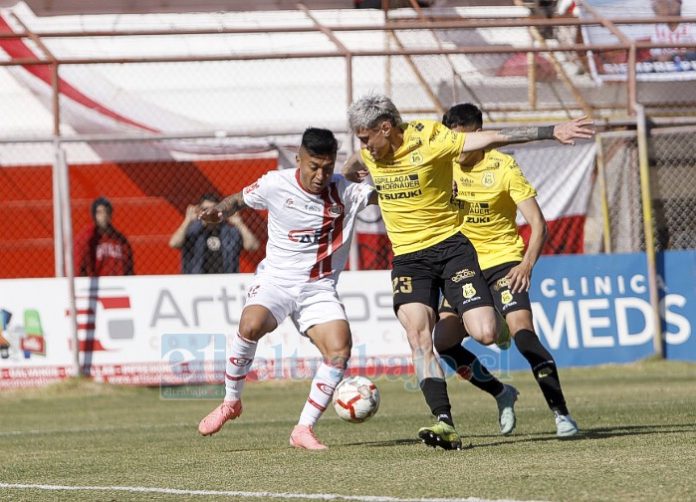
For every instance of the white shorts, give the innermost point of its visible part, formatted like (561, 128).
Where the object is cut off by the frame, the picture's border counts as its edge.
(307, 303)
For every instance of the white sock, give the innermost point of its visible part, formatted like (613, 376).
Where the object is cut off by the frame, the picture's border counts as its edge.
(325, 381)
(239, 361)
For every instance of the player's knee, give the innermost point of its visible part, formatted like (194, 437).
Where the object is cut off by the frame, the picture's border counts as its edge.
(252, 330)
(486, 333)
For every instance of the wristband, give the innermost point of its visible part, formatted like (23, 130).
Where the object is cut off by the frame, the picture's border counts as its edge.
(546, 132)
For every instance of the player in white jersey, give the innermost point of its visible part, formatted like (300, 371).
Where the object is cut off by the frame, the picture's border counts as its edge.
(311, 214)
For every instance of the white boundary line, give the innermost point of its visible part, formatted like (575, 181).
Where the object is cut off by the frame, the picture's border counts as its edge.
(80, 430)
(174, 491)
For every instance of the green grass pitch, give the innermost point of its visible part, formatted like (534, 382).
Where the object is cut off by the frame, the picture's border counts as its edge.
(639, 439)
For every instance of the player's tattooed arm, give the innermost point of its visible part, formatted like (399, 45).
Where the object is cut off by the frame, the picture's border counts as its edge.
(565, 132)
(530, 133)
(224, 209)
(230, 205)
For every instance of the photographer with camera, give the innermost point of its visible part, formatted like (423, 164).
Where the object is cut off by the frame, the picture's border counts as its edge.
(211, 248)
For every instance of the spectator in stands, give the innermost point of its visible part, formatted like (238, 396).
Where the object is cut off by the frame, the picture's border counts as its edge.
(100, 249)
(663, 33)
(211, 248)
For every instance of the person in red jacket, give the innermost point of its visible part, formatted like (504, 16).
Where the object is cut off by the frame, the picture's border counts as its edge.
(100, 249)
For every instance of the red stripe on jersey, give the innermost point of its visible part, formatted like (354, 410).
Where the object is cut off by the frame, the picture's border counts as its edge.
(331, 238)
(337, 240)
(322, 267)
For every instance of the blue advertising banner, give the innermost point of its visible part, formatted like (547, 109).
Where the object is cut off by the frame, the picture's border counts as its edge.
(591, 310)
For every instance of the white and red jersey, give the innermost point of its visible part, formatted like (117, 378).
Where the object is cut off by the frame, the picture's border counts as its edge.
(685, 33)
(308, 234)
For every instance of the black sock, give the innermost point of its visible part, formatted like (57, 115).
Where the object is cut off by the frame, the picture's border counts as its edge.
(543, 368)
(435, 392)
(468, 366)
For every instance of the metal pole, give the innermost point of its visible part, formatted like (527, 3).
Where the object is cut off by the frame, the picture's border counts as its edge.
(59, 269)
(531, 81)
(646, 201)
(68, 252)
(602, 179)
(353, 252)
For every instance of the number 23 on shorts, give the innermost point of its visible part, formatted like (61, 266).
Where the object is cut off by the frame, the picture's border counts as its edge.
(402, 285)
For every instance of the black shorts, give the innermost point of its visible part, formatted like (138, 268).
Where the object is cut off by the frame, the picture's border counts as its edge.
(505, 300)
(450, 266)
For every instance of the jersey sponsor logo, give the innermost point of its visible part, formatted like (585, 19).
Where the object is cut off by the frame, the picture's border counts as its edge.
(419, 127)
(506, 297)
(468, 290)
(488, 179)
(477, 212)
(396, 182)
(326, 389)
(290, 202)
(493, 165)
(400, 195)
(305, 236)
(252, 291)
(251, 187)
(501, 284)
(481, 208)
(465, 181)
(460, 275)
(478, 219)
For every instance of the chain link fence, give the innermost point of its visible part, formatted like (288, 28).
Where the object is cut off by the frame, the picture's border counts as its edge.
(673, 187)
(262, 88)
(151, 185)
(615, 220)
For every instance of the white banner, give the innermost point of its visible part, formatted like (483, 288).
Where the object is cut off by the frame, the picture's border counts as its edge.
(659, 64)
(172, 329)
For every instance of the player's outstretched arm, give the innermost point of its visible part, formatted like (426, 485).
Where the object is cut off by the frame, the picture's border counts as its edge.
(224, 209)
(354, 170)
(565, 132)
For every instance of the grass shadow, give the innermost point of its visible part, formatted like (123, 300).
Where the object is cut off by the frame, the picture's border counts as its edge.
(536, 437)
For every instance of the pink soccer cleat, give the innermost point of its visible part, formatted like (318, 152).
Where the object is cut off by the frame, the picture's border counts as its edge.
(213, 422)
(303, 436)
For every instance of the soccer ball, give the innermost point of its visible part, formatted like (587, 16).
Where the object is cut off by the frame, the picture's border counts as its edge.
(356, 399)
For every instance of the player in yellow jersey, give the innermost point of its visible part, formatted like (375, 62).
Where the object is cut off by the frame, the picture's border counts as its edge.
(490, 187)
(411, 167)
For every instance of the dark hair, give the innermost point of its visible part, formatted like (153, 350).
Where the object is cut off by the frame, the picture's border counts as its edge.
(319, 142)
(101, 201)
(211, 196)
(464, 115)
